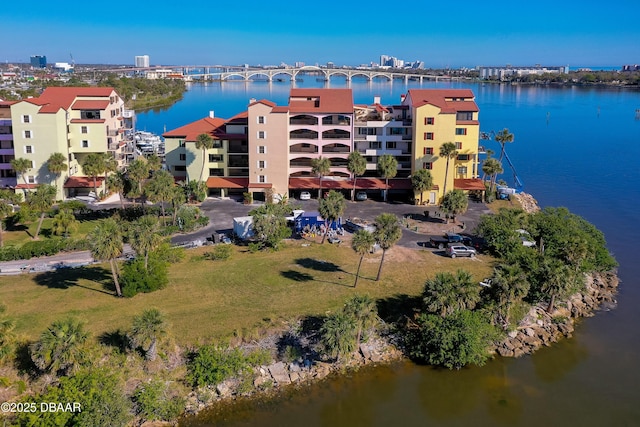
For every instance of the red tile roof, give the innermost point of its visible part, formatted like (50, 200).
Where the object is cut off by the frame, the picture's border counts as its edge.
(27, 186)
(64, 96)
(224, 182)
(191, 131)
(82, 182)
(263, 101)
(443, 99)
(86, 104)
(468, 184)
(321, 101)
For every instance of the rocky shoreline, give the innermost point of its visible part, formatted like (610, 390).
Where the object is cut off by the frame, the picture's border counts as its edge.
(537, 329)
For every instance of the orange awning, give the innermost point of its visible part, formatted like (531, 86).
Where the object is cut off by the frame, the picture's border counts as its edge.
(469, 184)
(82, 182)
(224, 182)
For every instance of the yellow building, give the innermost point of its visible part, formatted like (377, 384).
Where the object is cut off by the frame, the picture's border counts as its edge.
(73, 121)
(438, 117)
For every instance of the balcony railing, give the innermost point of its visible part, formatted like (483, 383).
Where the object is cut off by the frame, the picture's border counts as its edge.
(309, 121)
(336, 150)
(306, 135)
(111, 132)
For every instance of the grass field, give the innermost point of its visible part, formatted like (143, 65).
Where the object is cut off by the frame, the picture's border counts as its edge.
(21, 234)
(216, 299)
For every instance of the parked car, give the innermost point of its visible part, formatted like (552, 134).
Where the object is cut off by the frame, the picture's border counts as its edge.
(460, 250)
(361, 196)
(526, 238)
(441, 242)
(305, 195)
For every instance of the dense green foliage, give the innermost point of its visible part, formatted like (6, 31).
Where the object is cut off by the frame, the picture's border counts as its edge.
(270, 224)
(153, 402)
(213, 363)
(101, 397)
(148, 93)
(136, 278)
(454, 203)
(61, 348)
(38, 248)
(219, 253)
(452, 341)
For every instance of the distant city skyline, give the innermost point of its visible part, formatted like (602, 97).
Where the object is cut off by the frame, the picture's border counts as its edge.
(587, 33)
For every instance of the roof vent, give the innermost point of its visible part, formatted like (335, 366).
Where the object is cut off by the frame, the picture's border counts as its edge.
(211, 114)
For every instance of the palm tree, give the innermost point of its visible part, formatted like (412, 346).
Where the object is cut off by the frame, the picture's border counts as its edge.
(503, 137)
(455, 202)
(57, 164)
(61, 348)
(204, 142)
(357, 165)
(508, 285)
(440, 294)
(144, 237)
(361, 242)
(387, 233)
(138, 172)
(338, 334)
(331, 208)
(320, 167)
(115, 184)
(110, 164)
(447, 150)
(148, 329)
(64, 223)
(492, 167)
(557, 278)
(7, 199)
(421, 181)
(388, 168)
(6, 334)
(93, 165)
(41, 201)
(106, 245)
(155, 162)
(177, 199)
(365, 312)
(21, 166)
(159, 188)
(467, 289)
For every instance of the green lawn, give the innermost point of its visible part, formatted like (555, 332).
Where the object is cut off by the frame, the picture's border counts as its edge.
(214, 299)
(21, 234)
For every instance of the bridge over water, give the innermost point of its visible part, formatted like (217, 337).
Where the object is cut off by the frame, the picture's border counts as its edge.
(292, 74)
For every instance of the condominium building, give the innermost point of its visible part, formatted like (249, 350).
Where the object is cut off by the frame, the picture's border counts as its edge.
(142, 61)
(440, 116)
(501, 73)
(74, 121)
(269, 149)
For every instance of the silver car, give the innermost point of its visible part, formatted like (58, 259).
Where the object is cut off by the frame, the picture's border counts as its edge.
(460, 250)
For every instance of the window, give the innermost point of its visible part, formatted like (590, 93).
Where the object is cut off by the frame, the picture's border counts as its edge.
(85, 143)
(262, 149)
(464, 115)
(429, 120)
(262, 120)
(31, 179)
(428, 135)
(216, 172)
(178, 168)
(463, 157)
(90, 114)
(27, 134)
(33, 165)
(462, 170)
(262, 134)
(262, 164)
(84, 129)
(181, 143)
(28, 149)
(458, 145)
(391, 145)
(183, 157)
(428, 151)
(427, 165)
(26, 118)
(213, 158)
(374, 145)
(461, 131)
(262, 178)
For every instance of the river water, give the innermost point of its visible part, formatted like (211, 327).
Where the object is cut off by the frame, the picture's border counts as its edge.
(574, 147)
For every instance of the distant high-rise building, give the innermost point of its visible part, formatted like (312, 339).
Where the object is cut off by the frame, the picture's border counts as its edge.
(38, 61)
(142, 61)
(299, 64)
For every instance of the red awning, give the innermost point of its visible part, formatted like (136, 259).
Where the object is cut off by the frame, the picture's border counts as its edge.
(224, 182)
(469, 184)
(260, 185)
(82, 182)
(26, 186)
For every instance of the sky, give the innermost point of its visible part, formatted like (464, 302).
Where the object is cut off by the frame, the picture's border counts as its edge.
(442, 33)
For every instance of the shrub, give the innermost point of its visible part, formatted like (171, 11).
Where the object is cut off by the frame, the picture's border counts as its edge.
(219, 253)
(154, 402)
(213, 364)
(136, 279)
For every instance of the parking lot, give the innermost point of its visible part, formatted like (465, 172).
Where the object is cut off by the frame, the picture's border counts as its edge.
(417, 228)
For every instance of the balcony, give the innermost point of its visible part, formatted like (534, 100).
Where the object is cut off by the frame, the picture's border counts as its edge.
(111, 132)
(303, 134)
(303, 149)
(303, 120)
(336, 134)
(336, 148)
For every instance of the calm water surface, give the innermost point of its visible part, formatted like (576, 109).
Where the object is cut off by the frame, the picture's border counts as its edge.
(574, 147)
